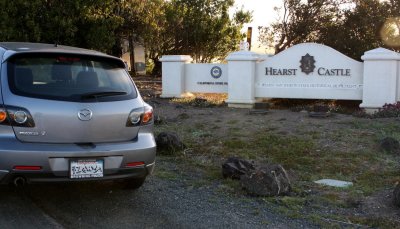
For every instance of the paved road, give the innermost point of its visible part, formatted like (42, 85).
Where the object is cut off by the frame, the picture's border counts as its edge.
(160, 203)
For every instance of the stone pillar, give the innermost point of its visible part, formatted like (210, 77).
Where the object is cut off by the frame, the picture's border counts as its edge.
(173, 75)
(381, 78)
(241, 79)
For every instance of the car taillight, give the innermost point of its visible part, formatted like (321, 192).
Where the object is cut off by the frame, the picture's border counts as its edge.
(3, 115)
(147, 115)
(140, 116)
(16, 116)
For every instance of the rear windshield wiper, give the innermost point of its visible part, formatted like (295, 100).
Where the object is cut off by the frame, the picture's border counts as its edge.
(102, 94)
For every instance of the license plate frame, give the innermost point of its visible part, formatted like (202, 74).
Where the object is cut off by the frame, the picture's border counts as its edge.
(86, 168)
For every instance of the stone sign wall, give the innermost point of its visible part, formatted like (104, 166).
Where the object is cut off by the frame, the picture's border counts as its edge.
(309, 71)
(304, 71)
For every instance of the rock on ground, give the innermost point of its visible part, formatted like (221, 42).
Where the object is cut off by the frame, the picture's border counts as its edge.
(168, 141)
(235, 167)
(271, 180)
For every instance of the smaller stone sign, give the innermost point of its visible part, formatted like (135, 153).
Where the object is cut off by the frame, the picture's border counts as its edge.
(206, 78)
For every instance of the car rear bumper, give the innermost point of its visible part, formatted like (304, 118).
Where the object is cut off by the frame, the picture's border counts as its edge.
(54, 159)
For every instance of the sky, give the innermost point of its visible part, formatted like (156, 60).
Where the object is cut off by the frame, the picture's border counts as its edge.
(263, 14)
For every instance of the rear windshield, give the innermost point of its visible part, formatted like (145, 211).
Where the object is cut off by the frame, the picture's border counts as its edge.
(69, 78)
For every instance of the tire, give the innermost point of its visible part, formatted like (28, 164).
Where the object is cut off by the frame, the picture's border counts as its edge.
(134, 183)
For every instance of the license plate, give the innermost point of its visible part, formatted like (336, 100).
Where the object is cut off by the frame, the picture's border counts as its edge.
(86, 168)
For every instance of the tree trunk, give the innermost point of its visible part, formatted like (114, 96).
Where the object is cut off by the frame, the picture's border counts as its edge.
(132, 55)
(157, 67)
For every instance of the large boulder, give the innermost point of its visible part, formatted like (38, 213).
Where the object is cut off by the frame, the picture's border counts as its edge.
(235, 167)
(390, 145)
(396, 196)
(170, 142)
(271, 180)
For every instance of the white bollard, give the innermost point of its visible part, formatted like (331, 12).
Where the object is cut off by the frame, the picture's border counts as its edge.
(173, 75)
(241, 79)
(381, 78)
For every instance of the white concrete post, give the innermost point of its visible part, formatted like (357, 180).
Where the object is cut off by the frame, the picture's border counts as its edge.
(381, 78)
(173, 75)
(241, 79)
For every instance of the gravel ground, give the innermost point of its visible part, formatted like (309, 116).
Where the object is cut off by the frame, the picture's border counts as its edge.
(160, 203)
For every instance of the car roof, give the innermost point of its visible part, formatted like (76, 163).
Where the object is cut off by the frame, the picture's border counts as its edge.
(26, 47)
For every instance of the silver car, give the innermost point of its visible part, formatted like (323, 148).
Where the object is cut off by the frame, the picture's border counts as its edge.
(70, 114)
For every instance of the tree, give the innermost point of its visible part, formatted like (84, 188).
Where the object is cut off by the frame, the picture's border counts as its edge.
(98, 25)
(367, 25)
(202, 28)
(82, 23)
(355, 32)
(19, 20)
(301, 21)
(351, 27)
(131, 13)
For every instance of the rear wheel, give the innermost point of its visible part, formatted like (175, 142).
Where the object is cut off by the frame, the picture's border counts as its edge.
(134, 183)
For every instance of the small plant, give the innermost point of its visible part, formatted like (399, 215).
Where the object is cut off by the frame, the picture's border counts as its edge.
(389, 111)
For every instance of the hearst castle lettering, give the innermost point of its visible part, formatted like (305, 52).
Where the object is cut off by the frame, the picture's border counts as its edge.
(280, 72)
(292, 72)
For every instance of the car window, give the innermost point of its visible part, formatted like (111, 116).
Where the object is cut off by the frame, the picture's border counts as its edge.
(69, 78)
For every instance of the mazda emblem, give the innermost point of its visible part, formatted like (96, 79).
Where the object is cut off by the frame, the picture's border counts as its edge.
(85, 114)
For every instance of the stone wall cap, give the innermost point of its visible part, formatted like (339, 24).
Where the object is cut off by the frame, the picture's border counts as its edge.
(381, 54)
(176, 58)
(243, 56)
